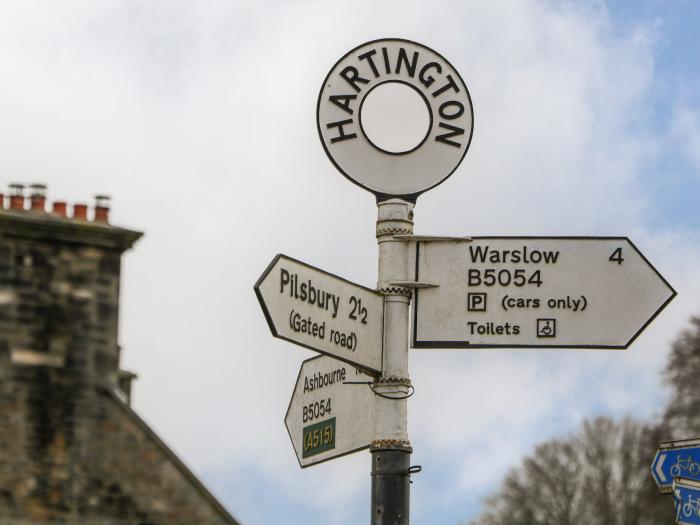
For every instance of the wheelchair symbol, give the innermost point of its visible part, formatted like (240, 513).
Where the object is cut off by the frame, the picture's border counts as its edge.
(546, 327)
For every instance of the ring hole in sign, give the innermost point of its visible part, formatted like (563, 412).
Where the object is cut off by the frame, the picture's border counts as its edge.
(395, 117)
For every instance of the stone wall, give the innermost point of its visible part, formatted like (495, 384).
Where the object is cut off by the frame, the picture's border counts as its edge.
(71, 449)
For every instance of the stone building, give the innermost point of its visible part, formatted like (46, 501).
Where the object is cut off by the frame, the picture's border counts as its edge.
(72, 451)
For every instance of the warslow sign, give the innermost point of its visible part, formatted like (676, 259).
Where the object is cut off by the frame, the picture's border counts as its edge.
(322, 312)
(327, 417)
(440, 86)
(535, 292)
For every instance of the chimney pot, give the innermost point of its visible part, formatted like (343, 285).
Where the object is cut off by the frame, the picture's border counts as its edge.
(38, 197)
(80, 211)
(102, 208)
(16, 196)
(60, 208)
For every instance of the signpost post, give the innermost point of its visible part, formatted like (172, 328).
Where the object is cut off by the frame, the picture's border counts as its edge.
(396, 179)
(564, 292)
(476, 293)
(331, 412)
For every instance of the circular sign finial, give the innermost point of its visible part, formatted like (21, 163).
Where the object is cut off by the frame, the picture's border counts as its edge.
(357, 150)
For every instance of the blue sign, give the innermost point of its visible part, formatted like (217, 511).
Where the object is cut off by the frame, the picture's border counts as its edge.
(676, 459)
(687, 495)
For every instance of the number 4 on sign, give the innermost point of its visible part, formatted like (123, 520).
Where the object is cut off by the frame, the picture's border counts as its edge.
(616, 256)
(532, 291)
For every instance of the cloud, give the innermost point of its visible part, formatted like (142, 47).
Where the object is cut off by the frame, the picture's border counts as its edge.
(199, 120)
(685, 132)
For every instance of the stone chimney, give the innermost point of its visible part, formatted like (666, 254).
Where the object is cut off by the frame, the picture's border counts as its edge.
(59, 287)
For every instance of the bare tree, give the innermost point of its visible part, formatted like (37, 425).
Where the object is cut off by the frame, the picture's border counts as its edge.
(682, 373)
(551, 476)
(599, 476)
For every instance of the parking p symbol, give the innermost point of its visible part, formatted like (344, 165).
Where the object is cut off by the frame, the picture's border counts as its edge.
(476, 302)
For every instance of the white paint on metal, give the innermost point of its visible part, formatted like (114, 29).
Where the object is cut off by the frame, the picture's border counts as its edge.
(320, 396)
(659, 465)
(679, 443)
(413, 284)
(535, 292)
(322, 312)
(420, 238)
(392, 414)
(395, 117)
(340, 103)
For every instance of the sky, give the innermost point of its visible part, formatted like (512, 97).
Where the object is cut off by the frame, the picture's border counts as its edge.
(198, 118)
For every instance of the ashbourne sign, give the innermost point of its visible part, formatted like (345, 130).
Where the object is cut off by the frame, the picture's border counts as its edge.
(339, 109)
(328, 416)
(322, 312)
(584, 292)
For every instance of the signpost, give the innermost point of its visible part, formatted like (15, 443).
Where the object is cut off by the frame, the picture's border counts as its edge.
(564, 292)
(687, 495)
(477, 293)
(322, 312)
(330, 414)
(396, 178)
(676, 459)
(339, 111)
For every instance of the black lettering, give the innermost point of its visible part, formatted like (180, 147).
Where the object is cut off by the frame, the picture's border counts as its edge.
(478, 253)
(428, 81)
(403, 57)
(616, 256)
(385, 54)
(343, 102)
(456, 114)
(551, 257)
(341, 132)
(352, 77)
(450, 84)
(284, 279)
(368, 56)
(445, 137)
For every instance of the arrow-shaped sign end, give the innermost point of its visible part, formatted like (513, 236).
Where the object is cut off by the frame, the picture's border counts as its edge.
(258, 293)
(657, 468)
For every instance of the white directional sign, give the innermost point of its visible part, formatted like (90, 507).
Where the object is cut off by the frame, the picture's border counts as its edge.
(327, 417)
(439, 86)
(534, 292)
(322, 312)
